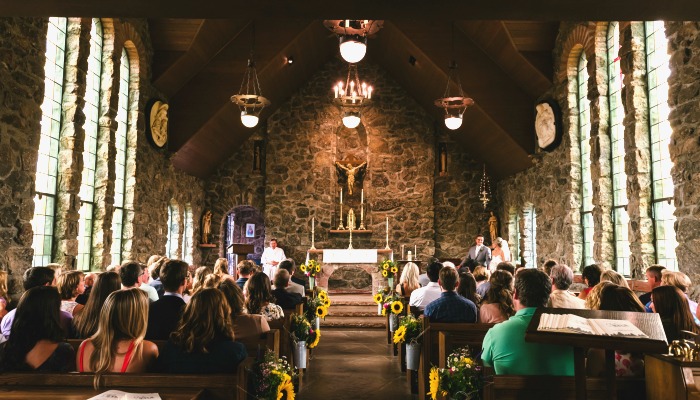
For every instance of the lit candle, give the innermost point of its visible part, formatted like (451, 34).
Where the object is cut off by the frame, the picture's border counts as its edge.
(369, 92)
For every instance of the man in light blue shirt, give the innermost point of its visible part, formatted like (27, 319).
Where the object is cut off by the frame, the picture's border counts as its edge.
(505, 348)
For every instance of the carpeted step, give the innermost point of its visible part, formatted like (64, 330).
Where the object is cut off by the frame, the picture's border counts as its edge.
(377, 322)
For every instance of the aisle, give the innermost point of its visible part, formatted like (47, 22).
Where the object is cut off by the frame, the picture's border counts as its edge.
(354, 364)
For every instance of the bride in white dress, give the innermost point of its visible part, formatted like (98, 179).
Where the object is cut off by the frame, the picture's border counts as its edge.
(499, 254)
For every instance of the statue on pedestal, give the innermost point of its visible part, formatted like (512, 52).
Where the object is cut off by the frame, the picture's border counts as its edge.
(206, 227)
(493, 228)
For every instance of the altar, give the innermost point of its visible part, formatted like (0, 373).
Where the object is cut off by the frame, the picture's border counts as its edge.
(365, 259)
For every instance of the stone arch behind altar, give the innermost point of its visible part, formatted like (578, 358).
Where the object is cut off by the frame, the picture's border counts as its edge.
(365, 259)
(329, 269)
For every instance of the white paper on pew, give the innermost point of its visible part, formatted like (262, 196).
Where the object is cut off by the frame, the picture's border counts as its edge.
(119, 395)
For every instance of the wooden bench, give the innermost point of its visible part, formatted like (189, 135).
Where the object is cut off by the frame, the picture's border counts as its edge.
(671, 378)
(33, 385)
(284, 325)
(516, 387)
(454, 334)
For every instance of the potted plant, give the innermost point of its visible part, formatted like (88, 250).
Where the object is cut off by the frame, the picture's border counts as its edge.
(409, 332)
(462, 379)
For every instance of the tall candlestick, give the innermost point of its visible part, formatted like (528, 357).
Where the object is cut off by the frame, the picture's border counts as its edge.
(362, 196)
(387, 233)
(313, 234)
(415, 250)
(341, 195)
(403, 254)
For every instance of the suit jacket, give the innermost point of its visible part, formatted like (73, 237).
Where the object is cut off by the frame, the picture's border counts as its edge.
(482, 258)
(163, 317)
(286, 299)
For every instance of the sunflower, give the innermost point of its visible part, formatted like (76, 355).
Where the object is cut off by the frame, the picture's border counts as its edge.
(434, 383)
(285, 387)
(400, 334)
(302, 268)
(327, 302)
(321, 311)
(318, 268)
(316, 339)
(385, 266)
(384, 273)
(397, 307)
(383, 310)
(378, 298)
(322, 295)
(394, 270)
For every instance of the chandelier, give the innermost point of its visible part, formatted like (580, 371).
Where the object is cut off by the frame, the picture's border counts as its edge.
(352, 34)
(454, 101)
(249, 98)
(485, 189)
(351, 96)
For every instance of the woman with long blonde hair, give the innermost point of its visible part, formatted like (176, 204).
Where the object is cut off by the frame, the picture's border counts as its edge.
(118, 345)
(198, 280)
(203, 341)
(221, 268)
(409, 280)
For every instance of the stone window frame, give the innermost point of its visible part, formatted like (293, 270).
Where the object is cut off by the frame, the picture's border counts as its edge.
(93, 110)
(584, 136)
(46, 192)
(188, 235)
(662, 201)
(172, 245)
(528, 235)
(514, 234)
(121, 143)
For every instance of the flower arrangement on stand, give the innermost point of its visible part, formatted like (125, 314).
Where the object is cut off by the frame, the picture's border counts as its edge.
(379, 299)
(302, 331)
(317, 308)
(462, 379)
(311, 268)
(389, 270)
(272, 378)
(393, 306)
(409, 332)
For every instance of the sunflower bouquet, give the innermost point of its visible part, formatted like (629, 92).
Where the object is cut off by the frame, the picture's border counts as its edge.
(303, 332)
(318, 306)
(272, 378)
(311, 268)
(462, 379)
(392, 303)
(409, 330)
(388, 269)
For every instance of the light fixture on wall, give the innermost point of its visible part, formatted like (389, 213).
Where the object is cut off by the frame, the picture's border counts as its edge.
(249, 98)
(485, 189)
(351, 96)
(454, 101)
(352, 34)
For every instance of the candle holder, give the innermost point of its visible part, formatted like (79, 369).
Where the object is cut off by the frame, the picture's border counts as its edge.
(340, 225)
(362, 218)
(313, 235)
(350, 245)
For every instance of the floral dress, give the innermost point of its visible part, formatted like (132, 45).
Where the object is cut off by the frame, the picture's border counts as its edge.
(272, 312)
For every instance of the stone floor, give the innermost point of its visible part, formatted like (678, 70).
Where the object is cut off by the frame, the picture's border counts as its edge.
(354, 364)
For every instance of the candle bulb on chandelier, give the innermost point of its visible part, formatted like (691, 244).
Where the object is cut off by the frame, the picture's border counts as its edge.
(336, 89)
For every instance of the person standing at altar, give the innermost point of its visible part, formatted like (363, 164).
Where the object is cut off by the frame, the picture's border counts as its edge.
(271, 257)
(479, 253)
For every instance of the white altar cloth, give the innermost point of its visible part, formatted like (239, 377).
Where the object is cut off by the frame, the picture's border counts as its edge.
(350, 256)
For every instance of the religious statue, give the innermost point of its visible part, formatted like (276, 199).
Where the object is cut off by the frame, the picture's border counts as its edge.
(206, 227)
(351, 219)
(350, 173)
(493, 228)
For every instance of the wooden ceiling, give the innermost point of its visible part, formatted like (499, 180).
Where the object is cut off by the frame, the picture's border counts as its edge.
(503, 47)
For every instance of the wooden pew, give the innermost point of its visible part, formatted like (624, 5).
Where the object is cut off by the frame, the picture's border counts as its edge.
(284, 325)
(33, 385)
(468, 333)
(516, 387)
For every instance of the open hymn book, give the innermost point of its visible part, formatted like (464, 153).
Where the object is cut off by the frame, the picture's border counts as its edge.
(570, 323)
(119, 395)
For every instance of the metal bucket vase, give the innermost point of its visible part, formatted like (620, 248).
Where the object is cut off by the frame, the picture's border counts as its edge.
(412, 356)
(317, 323)
(300, 354)
(312, 282)
(391, 283)
(393, 322)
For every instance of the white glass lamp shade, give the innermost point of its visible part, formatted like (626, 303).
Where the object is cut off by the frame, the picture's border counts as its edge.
(453, 121)
(351, 119)
(353, 48)
(249, 120)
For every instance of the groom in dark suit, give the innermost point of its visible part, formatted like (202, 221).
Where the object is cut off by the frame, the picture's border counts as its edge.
(478, 254)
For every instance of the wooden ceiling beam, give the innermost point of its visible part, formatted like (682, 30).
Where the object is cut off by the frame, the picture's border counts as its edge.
(213, 36)
(494, 40)
(446, 10)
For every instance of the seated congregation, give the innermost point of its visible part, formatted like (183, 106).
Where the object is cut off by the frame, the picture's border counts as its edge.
(509, 296)
(166, 317)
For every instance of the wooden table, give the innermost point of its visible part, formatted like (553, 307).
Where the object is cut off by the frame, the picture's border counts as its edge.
(648, 323)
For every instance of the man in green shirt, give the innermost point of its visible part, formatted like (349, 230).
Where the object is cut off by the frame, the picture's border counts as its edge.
(505, 348)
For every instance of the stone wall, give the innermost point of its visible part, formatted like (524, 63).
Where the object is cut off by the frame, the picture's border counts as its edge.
(684, 83)
(305, 136)
(21, 95)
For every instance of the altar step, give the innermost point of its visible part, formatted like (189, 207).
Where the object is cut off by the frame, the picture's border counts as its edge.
(353, 311)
